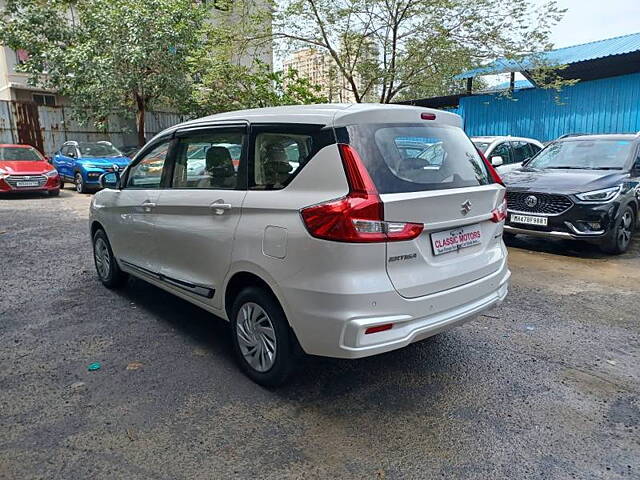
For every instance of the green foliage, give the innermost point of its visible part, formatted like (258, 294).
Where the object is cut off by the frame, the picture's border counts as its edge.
(399, 49)
(227, 86)
(108, 57)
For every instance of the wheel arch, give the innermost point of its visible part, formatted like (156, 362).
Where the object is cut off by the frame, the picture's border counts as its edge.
(95, 226)
(247, 274)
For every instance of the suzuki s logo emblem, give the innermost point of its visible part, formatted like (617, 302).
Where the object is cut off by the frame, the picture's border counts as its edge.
(531, 201)
(465, 207)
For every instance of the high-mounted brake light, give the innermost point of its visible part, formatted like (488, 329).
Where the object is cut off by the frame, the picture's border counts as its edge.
(358, 217)
(428, 116)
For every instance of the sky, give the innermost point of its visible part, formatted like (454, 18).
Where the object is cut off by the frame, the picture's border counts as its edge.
(589, 20)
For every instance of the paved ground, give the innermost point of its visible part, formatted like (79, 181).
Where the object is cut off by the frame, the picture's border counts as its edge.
(545, 386)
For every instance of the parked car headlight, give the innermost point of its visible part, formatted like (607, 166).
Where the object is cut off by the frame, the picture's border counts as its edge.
(51, 173)
(603, 195)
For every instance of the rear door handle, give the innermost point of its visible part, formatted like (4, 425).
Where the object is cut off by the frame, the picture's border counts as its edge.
(147, 206)
(219, 208)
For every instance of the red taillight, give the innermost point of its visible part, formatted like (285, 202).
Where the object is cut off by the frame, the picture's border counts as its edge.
(500, 213)
(358, 217)
(378, 328)
(492, 171)
(428, 116)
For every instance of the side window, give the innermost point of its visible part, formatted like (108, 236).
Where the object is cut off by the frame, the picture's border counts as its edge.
(277, 158)
(521, 151)
(502, 150)
(66, 150)
(209, 160)
(534, 149)
(147, 173)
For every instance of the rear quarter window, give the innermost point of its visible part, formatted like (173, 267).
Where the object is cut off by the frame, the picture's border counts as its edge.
(415, 157)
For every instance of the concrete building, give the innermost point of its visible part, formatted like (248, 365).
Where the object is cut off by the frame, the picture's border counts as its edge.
(321, 70)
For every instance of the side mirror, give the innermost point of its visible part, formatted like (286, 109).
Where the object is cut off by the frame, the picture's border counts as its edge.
(109, 180)
(497, 161)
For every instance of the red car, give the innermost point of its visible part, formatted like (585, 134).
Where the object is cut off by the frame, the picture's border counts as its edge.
(24, 169)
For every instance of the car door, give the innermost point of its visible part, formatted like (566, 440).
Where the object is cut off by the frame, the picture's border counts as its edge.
(198, 215)
(132, 216)
(62, 161)
(501, 150)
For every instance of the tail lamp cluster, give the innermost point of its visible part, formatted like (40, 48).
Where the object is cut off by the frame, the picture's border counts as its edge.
(358, 217)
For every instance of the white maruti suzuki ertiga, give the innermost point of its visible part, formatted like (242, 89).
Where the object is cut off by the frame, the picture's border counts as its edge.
(335, 230)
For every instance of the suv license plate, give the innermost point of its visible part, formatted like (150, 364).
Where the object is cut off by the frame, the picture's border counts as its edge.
(529, 220)
(27, 184)
(454, 240)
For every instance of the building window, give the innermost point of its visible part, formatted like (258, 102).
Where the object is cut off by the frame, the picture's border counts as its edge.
(21, 56)
(44, 99)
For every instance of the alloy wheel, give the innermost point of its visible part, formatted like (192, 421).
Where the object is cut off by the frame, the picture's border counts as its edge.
(256, 337)
(625, 229)
(102, 257)
(79, 183)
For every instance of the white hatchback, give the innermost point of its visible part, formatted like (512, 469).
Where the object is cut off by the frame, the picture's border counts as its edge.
(343, 230)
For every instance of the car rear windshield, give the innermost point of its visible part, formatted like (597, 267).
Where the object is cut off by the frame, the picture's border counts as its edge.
(98, 150)
(584, 155)
(16, 154)
(415, 157)
(482, 146)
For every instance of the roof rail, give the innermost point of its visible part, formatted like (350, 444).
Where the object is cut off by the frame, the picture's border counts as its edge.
(571, 135)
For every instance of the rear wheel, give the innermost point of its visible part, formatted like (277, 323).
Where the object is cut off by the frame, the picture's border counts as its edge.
(106, 265)
(620, 237)
(80, 186)
(262, 341)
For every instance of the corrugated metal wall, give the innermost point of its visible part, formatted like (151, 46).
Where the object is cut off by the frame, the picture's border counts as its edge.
(57, 125)
(609, 105)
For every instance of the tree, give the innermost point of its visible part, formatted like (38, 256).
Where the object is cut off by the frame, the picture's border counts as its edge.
(229, 71)
(228, 86)
(108, 57)
(399, 48)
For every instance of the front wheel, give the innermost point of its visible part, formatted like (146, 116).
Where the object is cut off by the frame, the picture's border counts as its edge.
(262, 340)
(107, 267)
(80, 186)
(620, 237)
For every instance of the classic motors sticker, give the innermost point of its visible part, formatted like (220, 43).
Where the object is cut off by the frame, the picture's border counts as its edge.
(452, 240)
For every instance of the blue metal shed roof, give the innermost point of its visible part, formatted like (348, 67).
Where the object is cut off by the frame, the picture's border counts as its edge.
(563, 56)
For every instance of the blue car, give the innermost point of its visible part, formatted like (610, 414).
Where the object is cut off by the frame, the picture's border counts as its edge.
(82, 163)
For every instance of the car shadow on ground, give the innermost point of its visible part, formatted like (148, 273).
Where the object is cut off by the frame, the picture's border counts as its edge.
(315, 377)
(570, 248)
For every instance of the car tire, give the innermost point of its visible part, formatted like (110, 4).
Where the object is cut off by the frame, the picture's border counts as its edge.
(259, 327)
(80, 185)
(107, 267)
(61, 184)
(54, 193)
(620, 237)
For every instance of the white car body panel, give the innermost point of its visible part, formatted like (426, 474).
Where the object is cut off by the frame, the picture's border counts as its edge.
(329, 291)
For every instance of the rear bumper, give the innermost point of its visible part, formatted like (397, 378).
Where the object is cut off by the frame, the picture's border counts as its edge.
(334, 325)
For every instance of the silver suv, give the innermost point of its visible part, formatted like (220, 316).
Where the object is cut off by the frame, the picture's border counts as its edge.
(311, 229)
